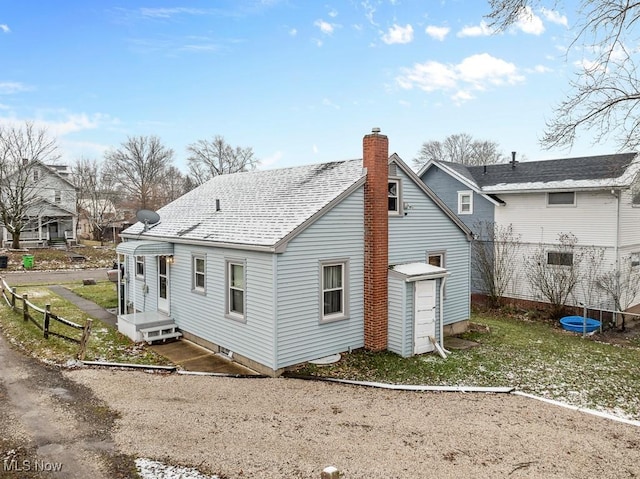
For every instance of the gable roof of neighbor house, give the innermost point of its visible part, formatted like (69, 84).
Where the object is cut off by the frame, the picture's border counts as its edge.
(585, 172)
(262, 209)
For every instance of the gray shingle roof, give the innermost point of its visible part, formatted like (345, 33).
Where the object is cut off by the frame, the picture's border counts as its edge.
(258, 208)
(589, 171)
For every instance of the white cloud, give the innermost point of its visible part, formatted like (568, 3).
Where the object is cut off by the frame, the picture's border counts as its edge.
(474, 73)
(8, 88)
(541, 69)
(398, 34)
(327, 102)
(529, 22)
(482, 30)
(170, 12)
(315, 149)
(325, 27)
(293, 32)
(4, 28)
(333, 13)
(369, 10)
(437, 33)
(271, 159)
(554, 17)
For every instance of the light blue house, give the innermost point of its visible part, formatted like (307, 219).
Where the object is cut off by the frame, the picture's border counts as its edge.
(279, 267)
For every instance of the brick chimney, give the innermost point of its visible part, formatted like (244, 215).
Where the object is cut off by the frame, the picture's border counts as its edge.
(376, 240)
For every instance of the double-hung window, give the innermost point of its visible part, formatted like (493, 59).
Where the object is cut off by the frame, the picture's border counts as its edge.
(199, 273)
(140, 266)
(236, 288)
(394, 196)
(334, 298)
(465, 202)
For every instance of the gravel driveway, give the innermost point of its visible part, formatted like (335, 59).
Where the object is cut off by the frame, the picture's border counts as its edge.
(278, 428)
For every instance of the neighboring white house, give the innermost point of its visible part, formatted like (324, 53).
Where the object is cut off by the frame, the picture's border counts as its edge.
(52, 211)
(596, 199)
(279, 267)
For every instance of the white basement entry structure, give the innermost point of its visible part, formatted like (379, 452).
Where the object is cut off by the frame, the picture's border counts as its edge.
(416, 307)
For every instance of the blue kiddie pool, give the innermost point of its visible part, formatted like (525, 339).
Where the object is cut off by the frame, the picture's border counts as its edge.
(577, 324)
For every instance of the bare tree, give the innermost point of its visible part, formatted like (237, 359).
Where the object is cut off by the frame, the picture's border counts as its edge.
(554, 274)
(173, 186)
(606, 88)
(140, 166)
(459, 148)
(23, 151)
(495, 249)
(97, 196)
(621, 285)
(209, 158)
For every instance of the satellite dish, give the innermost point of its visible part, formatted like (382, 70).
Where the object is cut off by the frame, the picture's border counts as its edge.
(148, 217)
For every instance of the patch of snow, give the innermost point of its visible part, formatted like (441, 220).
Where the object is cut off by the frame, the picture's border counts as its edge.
(149, 469)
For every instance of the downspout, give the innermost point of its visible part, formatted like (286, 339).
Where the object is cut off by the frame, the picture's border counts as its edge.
(442, 283)
(616, 248)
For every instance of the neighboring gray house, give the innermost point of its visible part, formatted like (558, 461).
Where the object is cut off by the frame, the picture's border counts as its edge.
(284, 266)
(456, 186)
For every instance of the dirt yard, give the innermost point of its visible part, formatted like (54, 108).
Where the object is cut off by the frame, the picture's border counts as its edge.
(272, 428)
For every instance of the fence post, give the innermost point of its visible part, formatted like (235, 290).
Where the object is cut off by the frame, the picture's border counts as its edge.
(25, 308)
(85, 339)
(47, 311)
(13, 298)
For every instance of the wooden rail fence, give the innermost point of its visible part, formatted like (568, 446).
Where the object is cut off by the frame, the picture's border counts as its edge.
(11, 297)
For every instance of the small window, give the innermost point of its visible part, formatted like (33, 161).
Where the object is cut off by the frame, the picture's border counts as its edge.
(635, 195)
(35, 175)
(140, 266)
(559, 258)
(436, 259)
(394, 196)
(333, 290)
(635, 260)
(198, 273)
(57, 196)
(465, 202)
(235, 289)
(564, 198)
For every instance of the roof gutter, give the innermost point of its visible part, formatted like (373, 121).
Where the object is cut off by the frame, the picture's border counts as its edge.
(197, 242)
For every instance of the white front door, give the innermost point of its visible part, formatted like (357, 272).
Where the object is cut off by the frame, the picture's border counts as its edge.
(163, 284)
(425, 316)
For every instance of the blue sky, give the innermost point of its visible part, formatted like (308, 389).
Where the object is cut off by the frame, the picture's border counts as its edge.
(300, 81)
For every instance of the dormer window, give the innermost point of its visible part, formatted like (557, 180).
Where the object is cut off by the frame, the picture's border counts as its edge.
(394, 196)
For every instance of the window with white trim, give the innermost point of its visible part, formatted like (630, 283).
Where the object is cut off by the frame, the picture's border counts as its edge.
(465, 202)
(236, 289)
(394, 196)
(561, 198)
(635, 195)
(57, 198)
(559, 258)
(436, 259)
(635, 259)
(199, 275)
(140, 266)
(334, 293)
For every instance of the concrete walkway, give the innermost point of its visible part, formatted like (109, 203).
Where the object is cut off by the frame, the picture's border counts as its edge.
(92, 309)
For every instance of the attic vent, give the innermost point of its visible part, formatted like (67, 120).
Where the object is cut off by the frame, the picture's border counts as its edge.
(393, 169)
